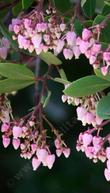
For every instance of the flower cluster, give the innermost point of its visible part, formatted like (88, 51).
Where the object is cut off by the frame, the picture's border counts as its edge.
(86, 108)
(37, 34)
(32, 142)
(4, 47)
(91, 145)
(95, 147)
(91, 47)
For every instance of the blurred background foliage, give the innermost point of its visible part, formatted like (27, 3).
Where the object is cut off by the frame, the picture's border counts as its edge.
(76, 174)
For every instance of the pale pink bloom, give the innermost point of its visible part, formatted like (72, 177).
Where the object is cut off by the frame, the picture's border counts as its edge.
(108, 152)
(86, 34)
(95, 49)
(106, 56)
(50, 160)
(98, 120)
(66, 152)
(27, 23)
(71, 38)
(59, 46)
(39, 50)
(6, 141)
(36, 40)
(62, 27)
(33, 147)
(70, 100)
(22, 146)
(16, 143)
(42, 155)
(3, 52)
(59, 152)
(107, 174)
(83, 46)
(92, 59)
(89, 117)
(68, 53)
(108, 164)
(57, 143)
(41, 27)
(76, 51)
(15, 21)
(5, 43)
(5, 127)
(97, 140)
(31, 48)
(16, 29)
(17, 131)
(81, 112)
(46, 38)
(87, 139)
(35, 163)
(64, 98)
(20, 41)
(104, 70)
(89, 152)
(45, 48)
(88, 53)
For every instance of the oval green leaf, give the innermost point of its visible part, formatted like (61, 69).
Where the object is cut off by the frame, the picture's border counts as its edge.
(9, 85)
(86, 86)
(99, 74)
(103, 108)
(50, 58)
(16, 71)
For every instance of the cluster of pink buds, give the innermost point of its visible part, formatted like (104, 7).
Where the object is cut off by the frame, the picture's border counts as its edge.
(86, 110)
(4, 47)
(32, 142)
(91, 145)
(95, 147)
(91, 47)
(36, 33)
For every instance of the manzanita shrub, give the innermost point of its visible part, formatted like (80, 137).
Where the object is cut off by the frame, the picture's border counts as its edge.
(38, 29)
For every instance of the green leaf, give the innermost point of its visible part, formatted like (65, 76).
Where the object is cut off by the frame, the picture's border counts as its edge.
(106, 8)
(86, 86)
(27, 3)
(103, 108)
(62, 7)
(17, 8)
(99, 74)
(88, 7)
(98, 19)
(16, 71)
(50, 58)
(7, 34)
(9, 85)
(78, 27)
(105, 33)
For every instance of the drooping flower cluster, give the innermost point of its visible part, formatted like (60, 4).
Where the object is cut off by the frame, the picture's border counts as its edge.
(95, 147)
(91, 142)
(32, 142)
(36, 33)
(4, 47)
(91, 145)
(86, 108)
